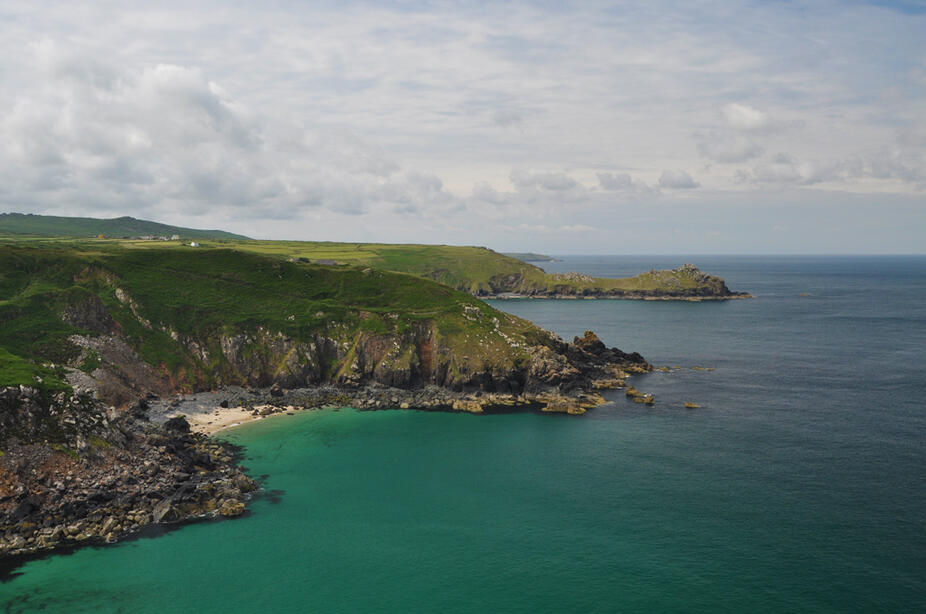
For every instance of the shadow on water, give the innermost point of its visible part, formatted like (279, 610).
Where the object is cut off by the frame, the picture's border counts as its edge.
(10, 565)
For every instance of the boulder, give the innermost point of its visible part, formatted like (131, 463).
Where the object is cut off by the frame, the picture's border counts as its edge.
(177, 424)
(164, 512)
(231, 507)
(590, 343)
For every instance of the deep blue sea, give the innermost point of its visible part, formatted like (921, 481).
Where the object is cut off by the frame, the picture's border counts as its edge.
(799, 485)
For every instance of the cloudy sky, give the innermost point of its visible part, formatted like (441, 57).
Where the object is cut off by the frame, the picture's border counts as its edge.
(657, 127)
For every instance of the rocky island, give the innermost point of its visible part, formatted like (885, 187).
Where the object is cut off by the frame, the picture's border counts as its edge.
(686, 282)
(98, 345)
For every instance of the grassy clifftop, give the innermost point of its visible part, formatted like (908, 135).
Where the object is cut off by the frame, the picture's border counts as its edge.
(205, 317)
(476, 270)
(486, 273)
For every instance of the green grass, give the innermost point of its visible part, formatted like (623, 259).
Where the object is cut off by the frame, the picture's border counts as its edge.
(55, 226)
(160, 296)
(476, 270)
(18, 371)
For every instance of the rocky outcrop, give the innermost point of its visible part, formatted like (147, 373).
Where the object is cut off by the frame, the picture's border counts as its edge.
(686, 282)
(85, 466)
(565, 379)
(415, 357)
(74, 472)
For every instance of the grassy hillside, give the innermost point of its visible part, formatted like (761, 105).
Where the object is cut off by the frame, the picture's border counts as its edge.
(176, 305)
(483, 272)
(476, 270)
(54, 226)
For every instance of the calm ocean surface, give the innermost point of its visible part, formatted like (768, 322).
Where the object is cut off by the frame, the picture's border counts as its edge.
(799, 486)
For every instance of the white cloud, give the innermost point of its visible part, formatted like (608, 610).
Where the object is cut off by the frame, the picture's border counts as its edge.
(96, 134)
(677, 180)
(615, 181)
(337, 117)
(552, 181)
(728, 148)
(506, 118)
(548, 230)
(486, 193)
(885, 165)
(744, 116)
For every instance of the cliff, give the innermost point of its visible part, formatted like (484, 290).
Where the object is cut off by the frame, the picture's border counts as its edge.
(75, 472)
(86, 337)
(686, 282)
(162, 321)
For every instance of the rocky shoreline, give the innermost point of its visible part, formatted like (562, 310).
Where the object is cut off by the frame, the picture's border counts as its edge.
(210, 412)
(75, 471)
(108, 474)
(622, 296)
(686, 283)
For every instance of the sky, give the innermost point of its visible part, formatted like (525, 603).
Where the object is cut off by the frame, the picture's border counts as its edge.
(693, 127)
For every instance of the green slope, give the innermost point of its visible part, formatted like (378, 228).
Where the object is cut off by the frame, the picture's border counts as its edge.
(55, 226)
(483, 272)
(476, 270)
(182, 298)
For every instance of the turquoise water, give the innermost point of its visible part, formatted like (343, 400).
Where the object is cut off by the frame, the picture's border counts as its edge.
(798, 486)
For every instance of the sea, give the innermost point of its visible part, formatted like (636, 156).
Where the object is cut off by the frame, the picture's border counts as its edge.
(798, 485)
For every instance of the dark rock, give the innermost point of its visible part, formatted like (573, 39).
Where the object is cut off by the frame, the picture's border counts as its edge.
(177, 424)
(231, 508)
(164, 512)
(590, 343)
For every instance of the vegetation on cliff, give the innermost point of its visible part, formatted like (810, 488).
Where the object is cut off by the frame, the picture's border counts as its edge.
(182, 319)
(476, 270)
(133, 324)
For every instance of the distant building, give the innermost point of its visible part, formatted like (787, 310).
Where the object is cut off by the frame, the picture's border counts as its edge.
(174, 237)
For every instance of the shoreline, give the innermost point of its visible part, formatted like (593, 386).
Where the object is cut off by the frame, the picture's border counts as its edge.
(504, 296)
(211, 412)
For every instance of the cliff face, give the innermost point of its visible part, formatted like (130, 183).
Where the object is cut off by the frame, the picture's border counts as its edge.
(89, 339)
(74, 472)
(416, 358)
(131, 324)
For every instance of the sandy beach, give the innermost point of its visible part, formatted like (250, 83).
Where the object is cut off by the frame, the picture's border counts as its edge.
(205, 413)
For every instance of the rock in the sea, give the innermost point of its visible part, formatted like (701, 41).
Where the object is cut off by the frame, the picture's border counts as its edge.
(472, 406)
(231, 507)
(607, 383)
